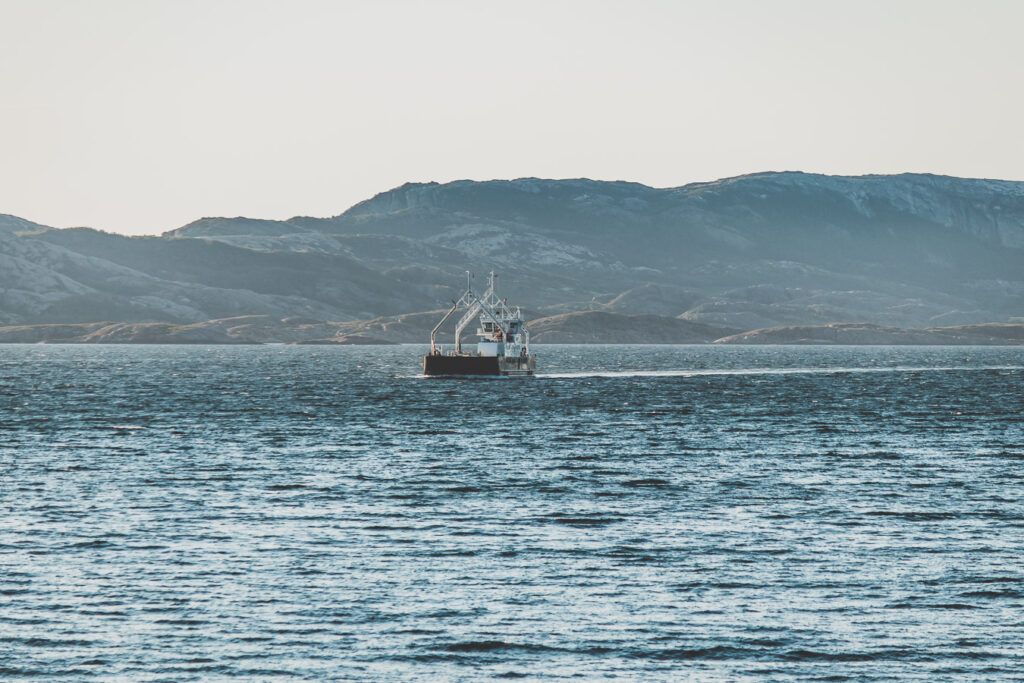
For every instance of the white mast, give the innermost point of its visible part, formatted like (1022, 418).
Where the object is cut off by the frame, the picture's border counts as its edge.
(486, 306)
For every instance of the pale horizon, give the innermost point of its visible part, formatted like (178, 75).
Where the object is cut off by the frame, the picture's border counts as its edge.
(138, 118)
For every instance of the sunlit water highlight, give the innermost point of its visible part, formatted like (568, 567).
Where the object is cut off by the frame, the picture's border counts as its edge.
(720, 513)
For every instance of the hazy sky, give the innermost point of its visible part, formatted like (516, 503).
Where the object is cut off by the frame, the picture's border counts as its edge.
(138, 116)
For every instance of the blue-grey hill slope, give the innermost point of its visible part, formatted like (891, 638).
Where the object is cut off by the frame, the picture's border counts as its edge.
(764, 250)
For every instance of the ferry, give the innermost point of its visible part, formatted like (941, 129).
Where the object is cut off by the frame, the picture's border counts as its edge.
(503, 347)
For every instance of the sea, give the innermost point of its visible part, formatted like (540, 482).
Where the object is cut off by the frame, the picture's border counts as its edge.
(706, 513)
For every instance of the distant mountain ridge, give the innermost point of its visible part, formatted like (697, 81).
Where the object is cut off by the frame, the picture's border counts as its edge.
(587, 327)
(756, 251)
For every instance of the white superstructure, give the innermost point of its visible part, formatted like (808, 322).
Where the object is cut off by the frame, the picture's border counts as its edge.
(502, 330)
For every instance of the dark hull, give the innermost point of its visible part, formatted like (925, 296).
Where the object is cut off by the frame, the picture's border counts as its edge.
(479, 365)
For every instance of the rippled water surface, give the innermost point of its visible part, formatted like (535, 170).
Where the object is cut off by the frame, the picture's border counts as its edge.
(717, 513)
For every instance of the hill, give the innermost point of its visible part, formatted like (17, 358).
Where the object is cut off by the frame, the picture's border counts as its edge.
(752, 252)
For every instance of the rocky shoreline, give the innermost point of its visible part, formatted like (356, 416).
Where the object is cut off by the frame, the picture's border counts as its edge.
(585, 327)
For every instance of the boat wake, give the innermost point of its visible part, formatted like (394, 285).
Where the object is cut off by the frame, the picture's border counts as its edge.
(774, 371)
